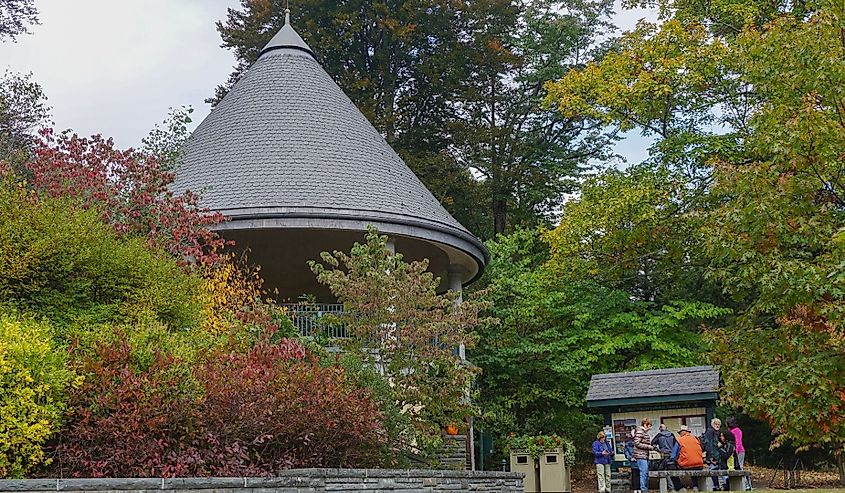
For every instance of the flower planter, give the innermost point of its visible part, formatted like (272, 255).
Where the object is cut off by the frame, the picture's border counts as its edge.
(545, 469)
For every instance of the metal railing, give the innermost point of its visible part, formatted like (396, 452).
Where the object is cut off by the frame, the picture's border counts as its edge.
(312, 321)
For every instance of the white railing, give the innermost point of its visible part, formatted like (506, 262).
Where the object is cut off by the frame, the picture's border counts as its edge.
(313, 319)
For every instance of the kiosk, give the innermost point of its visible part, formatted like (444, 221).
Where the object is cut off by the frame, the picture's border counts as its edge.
(672, 396)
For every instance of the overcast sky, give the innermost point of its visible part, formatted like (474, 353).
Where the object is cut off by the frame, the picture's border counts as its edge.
(115, 67)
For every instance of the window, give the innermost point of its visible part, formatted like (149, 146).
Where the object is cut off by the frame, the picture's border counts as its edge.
(697, 423)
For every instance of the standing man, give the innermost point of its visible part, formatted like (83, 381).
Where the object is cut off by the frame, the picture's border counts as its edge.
(664, 441)
(710, 444)
(642, 446)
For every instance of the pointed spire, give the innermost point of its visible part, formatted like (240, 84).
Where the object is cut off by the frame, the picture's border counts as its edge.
(287, 38)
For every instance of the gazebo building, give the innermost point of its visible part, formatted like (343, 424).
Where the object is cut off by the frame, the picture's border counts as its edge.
(297, 169)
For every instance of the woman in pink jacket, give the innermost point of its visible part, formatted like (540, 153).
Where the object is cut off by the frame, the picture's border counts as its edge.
(740, 449)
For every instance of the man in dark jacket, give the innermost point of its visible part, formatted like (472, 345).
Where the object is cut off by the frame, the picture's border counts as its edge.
(710, 444)
(664, 441)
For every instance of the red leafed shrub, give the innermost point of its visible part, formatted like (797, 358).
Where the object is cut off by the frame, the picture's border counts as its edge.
(131, 189)
(126, 421)
(232, 414)
(286, 414)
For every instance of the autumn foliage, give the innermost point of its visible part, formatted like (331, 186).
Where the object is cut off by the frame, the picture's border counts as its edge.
(129, 188)
(182, 364)
(232, 414)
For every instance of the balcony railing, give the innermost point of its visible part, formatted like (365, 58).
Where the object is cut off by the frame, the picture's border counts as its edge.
(313, 319)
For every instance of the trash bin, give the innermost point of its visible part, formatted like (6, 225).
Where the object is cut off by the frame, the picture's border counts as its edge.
(554, 472)
(524, 463)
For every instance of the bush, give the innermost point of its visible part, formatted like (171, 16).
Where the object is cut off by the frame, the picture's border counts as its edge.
(33, 379)
(129, 189)
(231, 414)
(64, 264)
(129, 416)
(280, 409)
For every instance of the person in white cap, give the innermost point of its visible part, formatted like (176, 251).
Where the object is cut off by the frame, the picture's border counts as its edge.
(687, 453)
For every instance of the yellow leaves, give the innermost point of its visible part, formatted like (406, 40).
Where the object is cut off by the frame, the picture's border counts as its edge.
(654, 70)
(33, 377)
(228, 287)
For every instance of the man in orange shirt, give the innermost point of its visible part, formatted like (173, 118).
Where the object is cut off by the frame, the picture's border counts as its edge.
(687, 454)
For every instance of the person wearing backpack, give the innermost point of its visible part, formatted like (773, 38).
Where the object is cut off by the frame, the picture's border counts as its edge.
(629, 456)
(642, 447)
(687, 453)
(664, 441)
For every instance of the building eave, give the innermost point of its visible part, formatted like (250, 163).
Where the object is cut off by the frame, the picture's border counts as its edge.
(268, 218)
(649, 400)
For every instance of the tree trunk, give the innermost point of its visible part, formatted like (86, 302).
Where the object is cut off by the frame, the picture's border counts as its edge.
(500, 213)
(390, 112)
(840, 460)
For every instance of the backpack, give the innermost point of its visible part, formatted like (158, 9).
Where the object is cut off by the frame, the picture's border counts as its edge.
(629, 449)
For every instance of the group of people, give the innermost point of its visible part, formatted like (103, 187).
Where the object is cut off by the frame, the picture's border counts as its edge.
(715, 449)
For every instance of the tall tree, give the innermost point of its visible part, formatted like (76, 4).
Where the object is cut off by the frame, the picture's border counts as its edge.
(777, 241)
(527, 154)
(456, 88)
(666, 82)
(636, 230)
(773, 220)
(23, 110)
(15, 17)
(556, 330)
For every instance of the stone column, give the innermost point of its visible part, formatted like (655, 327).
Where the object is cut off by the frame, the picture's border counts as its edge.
(455, 274)
(455, 278)
(391, 245)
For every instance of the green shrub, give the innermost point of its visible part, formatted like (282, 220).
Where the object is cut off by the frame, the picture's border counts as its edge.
(65, 264)
(33, 379)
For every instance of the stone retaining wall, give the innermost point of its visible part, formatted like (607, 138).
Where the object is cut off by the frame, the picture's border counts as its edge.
(291, 481)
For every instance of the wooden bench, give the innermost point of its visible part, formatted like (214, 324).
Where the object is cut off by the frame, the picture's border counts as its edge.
(736, 479)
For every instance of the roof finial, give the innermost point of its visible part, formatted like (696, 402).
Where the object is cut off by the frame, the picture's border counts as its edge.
(287, 12)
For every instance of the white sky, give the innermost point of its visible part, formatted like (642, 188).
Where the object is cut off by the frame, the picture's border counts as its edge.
(115, 67)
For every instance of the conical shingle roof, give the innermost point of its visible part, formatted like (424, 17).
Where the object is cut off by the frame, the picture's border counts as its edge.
(286, 142)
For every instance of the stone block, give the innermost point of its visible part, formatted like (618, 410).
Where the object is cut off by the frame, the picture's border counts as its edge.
(28, 485)
(104, 484)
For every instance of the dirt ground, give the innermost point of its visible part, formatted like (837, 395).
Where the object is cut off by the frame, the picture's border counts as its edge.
(583, 480)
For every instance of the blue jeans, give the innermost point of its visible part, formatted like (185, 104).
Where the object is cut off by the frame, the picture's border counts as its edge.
(713, 467)
(642, 465)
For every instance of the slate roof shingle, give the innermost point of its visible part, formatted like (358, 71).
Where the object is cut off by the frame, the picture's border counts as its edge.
(287, 137)
(653, 383)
